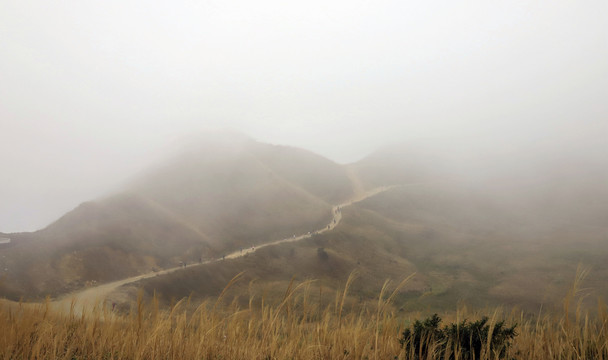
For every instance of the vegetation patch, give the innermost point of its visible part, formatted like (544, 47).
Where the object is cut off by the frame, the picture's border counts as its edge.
(464, 340)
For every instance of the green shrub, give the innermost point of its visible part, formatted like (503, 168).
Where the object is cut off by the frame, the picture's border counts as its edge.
(467, 339)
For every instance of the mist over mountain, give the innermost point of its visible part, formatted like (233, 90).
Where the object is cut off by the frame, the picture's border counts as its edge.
(223, 193)
(482, 224)
(308, 180)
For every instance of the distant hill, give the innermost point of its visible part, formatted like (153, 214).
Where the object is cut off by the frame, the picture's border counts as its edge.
(241, 192)
(483, 227)
(496, 224)
(223, 192)
(398, 164)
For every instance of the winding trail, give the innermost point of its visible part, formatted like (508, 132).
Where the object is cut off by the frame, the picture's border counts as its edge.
(92, 296)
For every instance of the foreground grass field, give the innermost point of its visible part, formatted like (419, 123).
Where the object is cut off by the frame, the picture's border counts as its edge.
(295, 328)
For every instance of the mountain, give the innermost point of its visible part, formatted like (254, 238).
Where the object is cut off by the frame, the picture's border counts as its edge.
(494, 224)
(224, 192)
(401, 163)
(487, 227)
(242, 192)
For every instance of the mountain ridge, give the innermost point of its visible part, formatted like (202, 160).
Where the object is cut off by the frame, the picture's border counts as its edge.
(471, 225)
(199, 204)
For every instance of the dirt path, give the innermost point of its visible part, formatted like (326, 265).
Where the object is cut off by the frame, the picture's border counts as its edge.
(89, 297)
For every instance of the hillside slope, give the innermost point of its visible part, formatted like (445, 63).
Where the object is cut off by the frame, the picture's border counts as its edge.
(242, 192)
(225, 192)
(500, 230)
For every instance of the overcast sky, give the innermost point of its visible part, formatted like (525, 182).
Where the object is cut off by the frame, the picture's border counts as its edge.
(92, 91)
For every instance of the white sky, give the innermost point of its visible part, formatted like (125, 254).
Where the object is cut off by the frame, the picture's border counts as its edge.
(91, 91)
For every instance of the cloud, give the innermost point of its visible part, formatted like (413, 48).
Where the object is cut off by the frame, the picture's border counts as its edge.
(91, 90)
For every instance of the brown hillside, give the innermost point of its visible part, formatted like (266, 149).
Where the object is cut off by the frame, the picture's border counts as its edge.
(496, 232)
(462, 246)
(227, 191)
(246, 192)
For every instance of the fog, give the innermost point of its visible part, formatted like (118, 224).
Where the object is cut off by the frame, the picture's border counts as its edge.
(93, 92)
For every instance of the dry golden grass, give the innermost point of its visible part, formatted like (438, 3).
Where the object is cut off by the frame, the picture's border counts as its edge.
(294, 328)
